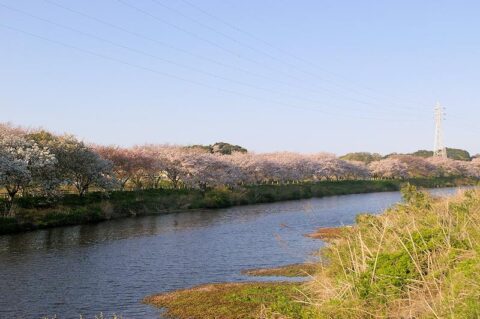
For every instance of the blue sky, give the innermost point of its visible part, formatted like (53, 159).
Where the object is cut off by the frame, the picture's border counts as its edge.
(271, 75)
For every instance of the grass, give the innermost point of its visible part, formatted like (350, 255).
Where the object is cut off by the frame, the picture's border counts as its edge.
(36, 212)
(420, 259)
(328, 233)
(250, 300)
(294, 270)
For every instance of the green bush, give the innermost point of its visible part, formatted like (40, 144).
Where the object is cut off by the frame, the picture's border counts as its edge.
(218, 198)
(392, 272)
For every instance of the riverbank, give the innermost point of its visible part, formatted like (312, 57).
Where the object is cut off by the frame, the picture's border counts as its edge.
(37, 213)
(419, 259)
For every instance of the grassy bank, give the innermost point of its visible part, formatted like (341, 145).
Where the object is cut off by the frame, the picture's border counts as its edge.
(250, 300)
(419, 259)
(35, 213)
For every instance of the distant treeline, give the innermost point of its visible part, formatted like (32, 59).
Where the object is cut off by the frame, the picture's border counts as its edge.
(452, 153)
(37, 163)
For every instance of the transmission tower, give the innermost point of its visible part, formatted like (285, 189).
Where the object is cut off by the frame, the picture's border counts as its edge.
(438, 147)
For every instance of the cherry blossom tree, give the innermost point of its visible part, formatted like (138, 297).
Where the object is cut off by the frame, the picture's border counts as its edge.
(171, 163)
(469, 169)
(81, 166)
(127, 163)
(356, 170)
(252, 167)
(445, 166)
(417, 166)
(389, 168)
(21, 164)
(157, 159)
(205, 170)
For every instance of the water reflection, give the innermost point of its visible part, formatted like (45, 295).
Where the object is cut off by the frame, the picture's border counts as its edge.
(111, 266)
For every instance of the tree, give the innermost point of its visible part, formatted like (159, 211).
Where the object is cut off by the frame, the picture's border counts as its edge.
(364, 157)
(22, 162)
(452, 153)
(417, 166)
(226, 148)
(446, 167)
(334, 168)
(458, 154)
(389, 168)
(81, 166)
(126, 162)
(172, 159)
(423, 153)
(204, 170)
(254, 168)
(470, 169)
(220, 148)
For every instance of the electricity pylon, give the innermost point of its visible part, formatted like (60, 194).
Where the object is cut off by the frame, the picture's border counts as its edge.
(438, 146)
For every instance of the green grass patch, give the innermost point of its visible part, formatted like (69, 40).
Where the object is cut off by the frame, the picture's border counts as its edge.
(294, 270)
(234, 301)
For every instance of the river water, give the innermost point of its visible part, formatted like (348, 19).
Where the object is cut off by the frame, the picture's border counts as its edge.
(109, 267)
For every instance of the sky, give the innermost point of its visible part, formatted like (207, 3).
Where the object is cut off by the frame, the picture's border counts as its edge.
(270, 75)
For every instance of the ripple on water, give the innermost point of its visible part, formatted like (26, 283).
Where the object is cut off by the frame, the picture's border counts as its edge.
(109, 267)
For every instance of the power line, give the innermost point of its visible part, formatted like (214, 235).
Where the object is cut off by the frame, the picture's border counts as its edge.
(138, 35)
(172, 62)
(221, 47)
(164, 74)
(285, 52)
(141, 36)
(156, 56)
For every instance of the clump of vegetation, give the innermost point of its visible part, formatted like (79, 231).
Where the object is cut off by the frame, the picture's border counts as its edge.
(364, 157)
(235, 301)
(420, 259)
(294, 270)
(452, 153)
(328, 233)
(220, 148)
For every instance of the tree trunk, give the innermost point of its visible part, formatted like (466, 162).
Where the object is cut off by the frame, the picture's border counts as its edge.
(12, 192)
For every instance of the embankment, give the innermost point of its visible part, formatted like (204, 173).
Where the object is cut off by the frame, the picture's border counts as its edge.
(36, 213)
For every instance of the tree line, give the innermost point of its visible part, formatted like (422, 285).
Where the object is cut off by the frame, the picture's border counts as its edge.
(39, 163)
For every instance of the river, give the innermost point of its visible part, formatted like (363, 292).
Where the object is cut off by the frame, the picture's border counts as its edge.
(109, 267)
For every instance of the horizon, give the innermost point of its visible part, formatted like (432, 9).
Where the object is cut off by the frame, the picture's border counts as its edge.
(271, 76)
(34, 129)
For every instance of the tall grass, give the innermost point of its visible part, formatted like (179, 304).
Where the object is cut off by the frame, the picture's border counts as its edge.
(420, 259)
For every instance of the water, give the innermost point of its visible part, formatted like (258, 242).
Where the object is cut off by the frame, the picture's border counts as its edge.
(109, 267)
